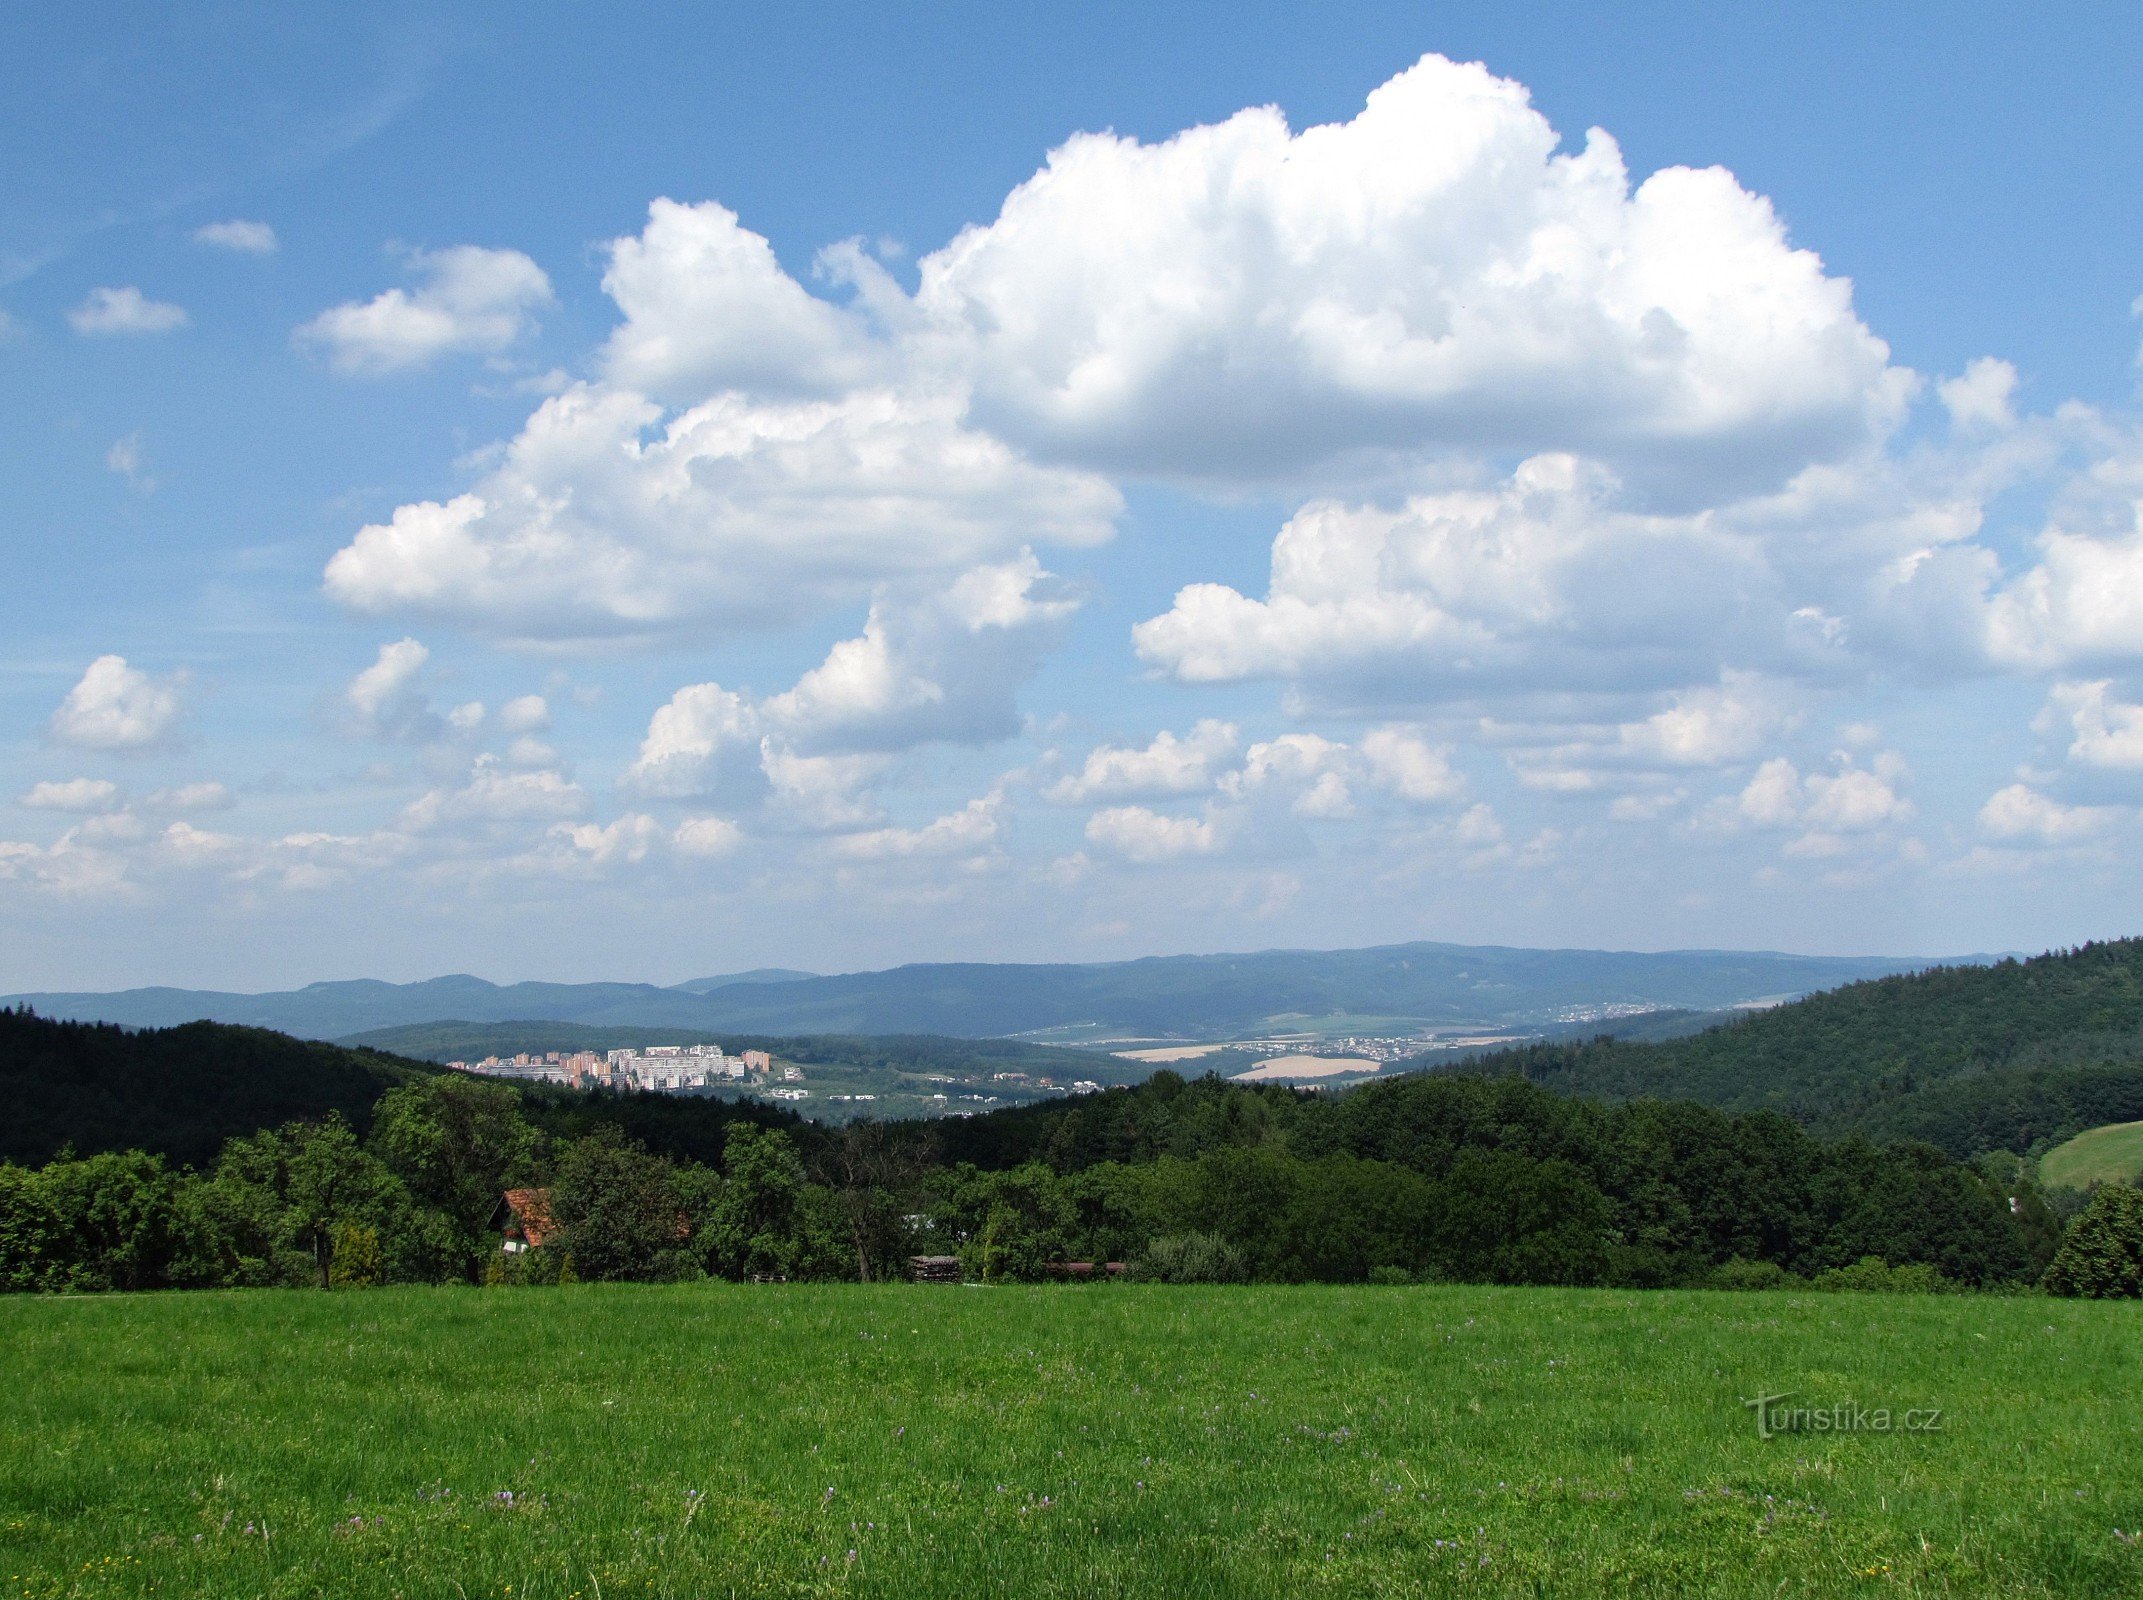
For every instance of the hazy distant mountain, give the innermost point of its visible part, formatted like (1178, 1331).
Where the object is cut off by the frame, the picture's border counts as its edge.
(756, 975)
(1196, 997)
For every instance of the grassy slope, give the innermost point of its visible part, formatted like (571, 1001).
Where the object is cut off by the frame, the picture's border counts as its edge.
(916, 1442)
(2100, 1155)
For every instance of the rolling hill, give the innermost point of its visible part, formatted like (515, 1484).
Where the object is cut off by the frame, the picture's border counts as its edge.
(1969, 1058)
(179, 1092)
(1192, 997)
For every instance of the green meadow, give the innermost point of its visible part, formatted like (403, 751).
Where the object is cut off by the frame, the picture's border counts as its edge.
(714, 1439)
(2112, 1154)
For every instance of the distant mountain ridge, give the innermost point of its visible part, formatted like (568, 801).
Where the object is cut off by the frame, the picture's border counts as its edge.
(1193, 997)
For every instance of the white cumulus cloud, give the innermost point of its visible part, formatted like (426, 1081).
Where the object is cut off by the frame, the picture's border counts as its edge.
(1140, 834)
(604, 520)
(1168, 765)
(469, 300)
(105, 312)
(382, 700)
(118, 707)
(2021, 813)
(2103, 731)
(1242, 299)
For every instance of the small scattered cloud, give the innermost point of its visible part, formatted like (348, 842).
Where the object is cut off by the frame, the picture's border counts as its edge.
(205, 796)
(125, 459)
(106, 312)
(1169, 765)
(469, 300)
(240, 237)
(529, 713)
(2021, 814)
(1978, 400)
(972, 828)
(117, 707)
(73, 794)
(383, 701)
(707, 837)
(1139, 834)
(1412, 768)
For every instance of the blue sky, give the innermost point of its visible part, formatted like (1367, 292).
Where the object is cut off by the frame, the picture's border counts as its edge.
(426, 556)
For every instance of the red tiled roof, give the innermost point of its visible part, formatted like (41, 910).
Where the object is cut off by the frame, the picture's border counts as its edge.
(528, 1213)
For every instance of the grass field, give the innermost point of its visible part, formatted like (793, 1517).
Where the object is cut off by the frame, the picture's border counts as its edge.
(2112, 1154)
(1098, 1441)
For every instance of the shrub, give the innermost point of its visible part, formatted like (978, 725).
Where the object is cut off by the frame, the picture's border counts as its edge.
(1873, 1275)
(1741, 1273)
(356, 1262)
(1192, 1258)
(2101, 1255)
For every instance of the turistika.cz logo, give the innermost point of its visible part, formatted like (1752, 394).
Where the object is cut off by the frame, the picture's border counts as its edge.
(1774, 1416)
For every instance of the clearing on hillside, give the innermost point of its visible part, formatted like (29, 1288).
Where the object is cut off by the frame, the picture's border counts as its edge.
(908, 1441)
(2112, 1154)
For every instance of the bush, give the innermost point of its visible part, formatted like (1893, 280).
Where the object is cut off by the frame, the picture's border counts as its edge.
(2101, 1255)
(1390, 1276)
(1873, 1275)
(1192, 1258)
(1741, 1273)
(356, 1262)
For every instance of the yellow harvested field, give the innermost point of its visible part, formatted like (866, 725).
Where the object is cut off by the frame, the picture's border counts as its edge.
(1305, 1067)
(1173, 1052)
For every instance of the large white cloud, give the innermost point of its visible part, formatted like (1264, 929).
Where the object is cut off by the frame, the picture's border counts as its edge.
(1535, 582)
(118, 707)
(468, 300)
(1237, 303)
(604, 520)
(1241, 300)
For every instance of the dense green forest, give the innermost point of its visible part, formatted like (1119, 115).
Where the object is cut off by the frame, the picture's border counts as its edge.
(1462, 1178)
(2000, 1057)
(1851, 1133)
(178, 1092)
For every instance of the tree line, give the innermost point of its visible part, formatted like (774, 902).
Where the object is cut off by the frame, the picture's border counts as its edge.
(1426, 1178)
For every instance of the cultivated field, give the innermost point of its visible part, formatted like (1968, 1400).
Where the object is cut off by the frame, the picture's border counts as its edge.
(2112, 1154)
(1102, 1440)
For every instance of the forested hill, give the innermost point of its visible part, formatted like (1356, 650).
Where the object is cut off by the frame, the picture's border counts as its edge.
(179, 1092)
(1969, 1058)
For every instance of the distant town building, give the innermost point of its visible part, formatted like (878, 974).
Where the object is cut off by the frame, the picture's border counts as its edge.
(658, 1069)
